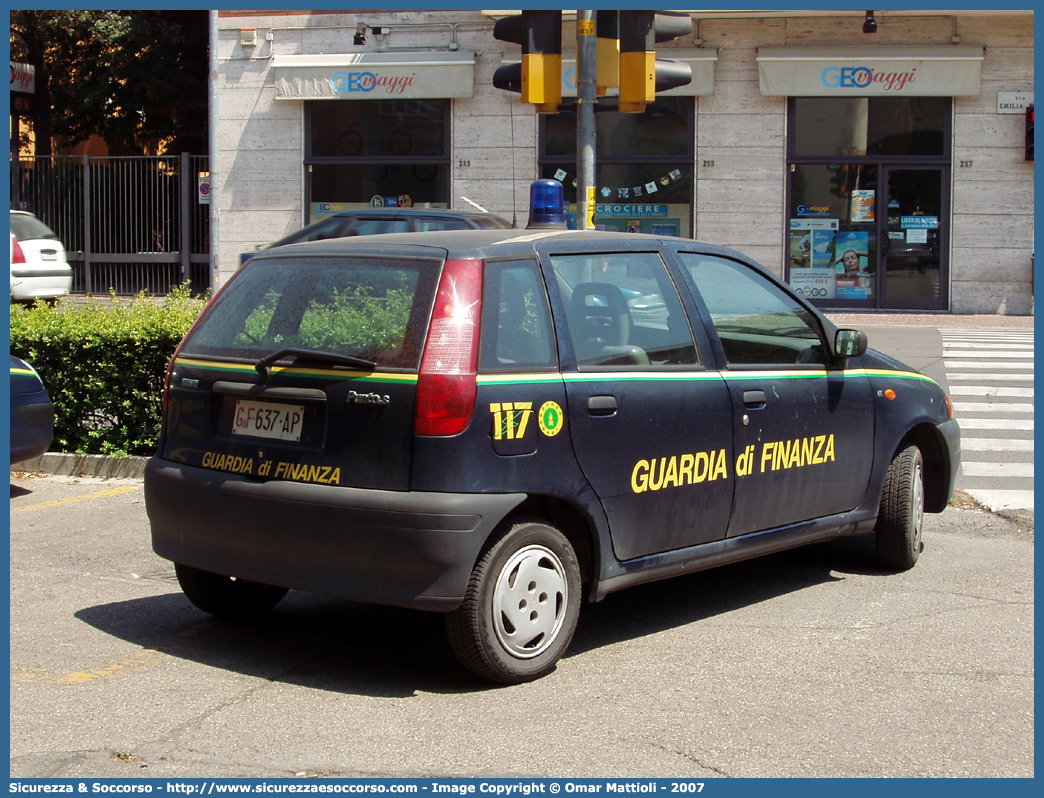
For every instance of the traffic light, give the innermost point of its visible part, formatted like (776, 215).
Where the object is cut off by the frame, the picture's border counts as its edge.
(607, 32)
(1029, 133)
(642, 74)
(839, 180)
(539, 76)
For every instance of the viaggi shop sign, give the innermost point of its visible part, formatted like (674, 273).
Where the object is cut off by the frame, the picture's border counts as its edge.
(862, 77)
(365, 82)
(374, 76)
(930, 71)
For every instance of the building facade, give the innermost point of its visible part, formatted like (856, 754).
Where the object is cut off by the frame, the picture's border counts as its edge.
(882, 170)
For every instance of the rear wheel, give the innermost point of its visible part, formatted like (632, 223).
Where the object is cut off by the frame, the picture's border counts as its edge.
(901, 516)
(521, 606)
(227, 596)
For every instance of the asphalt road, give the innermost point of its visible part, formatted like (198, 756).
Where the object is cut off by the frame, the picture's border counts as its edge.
(809, 663)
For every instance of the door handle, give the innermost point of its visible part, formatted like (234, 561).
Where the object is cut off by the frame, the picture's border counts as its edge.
(754, 399)
(601, 405)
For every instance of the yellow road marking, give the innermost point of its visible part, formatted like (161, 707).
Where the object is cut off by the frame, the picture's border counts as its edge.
(139, 661)
(98, 494)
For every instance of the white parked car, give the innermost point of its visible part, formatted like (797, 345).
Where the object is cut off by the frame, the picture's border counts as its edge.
(39, 268)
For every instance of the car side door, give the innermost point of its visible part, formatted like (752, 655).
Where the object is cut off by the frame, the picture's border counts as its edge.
(651, 425)
(804, 428)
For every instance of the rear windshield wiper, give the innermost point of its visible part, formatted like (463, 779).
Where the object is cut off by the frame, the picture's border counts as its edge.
(336, 358)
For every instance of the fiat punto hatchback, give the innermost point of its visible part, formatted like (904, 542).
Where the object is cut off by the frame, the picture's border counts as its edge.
(501, 425)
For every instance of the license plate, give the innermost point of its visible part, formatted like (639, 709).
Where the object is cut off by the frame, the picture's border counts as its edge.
(273, 420)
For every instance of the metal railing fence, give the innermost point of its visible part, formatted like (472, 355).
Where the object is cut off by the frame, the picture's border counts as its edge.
(128, 224)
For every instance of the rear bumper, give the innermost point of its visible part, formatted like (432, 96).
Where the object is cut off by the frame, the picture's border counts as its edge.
(405, 549)
(43, 284)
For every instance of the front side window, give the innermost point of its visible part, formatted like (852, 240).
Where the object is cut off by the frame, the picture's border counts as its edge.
(757, 322)
(368, 308)
(623, 311)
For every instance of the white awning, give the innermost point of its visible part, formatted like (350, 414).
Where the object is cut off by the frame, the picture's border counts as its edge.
(374, 76)
(941, 71)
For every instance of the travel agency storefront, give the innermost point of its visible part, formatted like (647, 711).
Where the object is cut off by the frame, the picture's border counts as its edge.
(869, 172)
(869, 157)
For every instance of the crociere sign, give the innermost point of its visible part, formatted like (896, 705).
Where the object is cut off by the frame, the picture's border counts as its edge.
(940, 71)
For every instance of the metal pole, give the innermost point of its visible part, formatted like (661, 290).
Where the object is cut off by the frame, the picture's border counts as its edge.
(586, 96)
(212, 128)
(14, 161)
(188, 190)
(86, 223)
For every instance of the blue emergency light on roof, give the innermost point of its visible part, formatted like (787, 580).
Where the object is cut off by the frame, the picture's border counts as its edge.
(545, 205)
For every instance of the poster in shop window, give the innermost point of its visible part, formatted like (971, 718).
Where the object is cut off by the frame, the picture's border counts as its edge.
(851, 264)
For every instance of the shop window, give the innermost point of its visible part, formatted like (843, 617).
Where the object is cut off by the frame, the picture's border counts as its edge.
(868, 200)
(374, 153)
(837, 126)
(644, 166)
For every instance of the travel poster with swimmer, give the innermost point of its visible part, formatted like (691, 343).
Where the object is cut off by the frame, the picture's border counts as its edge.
(851, 264)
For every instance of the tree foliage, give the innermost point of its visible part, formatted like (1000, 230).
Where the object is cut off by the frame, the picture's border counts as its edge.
(138, 79)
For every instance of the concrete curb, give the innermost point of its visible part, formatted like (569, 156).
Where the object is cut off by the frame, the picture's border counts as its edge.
(85, 465)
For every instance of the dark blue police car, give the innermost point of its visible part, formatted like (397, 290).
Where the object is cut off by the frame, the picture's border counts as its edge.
(32, 414)
(500, 425)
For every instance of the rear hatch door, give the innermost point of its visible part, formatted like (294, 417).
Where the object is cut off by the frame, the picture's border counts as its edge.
(304, 368)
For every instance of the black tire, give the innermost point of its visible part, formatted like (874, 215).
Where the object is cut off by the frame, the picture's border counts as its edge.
(509, 630)
(226, 596)
(901, 516)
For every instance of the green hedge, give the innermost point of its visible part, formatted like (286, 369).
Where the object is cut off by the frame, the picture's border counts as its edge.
(103, 363)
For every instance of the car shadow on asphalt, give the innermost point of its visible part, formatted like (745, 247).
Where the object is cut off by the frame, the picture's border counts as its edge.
(346, 647)
(18, 490)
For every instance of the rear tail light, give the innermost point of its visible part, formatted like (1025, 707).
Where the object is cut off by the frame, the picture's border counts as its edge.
(17, 256)
(177, 350)
(447, 383)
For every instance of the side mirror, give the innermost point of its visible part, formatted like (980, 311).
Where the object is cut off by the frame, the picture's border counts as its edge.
(849, 343)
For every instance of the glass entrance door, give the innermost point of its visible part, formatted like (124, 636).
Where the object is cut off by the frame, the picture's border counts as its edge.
(911, 247)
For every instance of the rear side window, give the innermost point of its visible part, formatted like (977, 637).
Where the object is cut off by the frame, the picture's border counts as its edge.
(28, 228)
(757, 322)
(372, 308)
(516, 322)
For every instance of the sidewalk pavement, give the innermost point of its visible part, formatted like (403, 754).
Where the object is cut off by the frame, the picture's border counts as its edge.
(95, 465)
(921, 319)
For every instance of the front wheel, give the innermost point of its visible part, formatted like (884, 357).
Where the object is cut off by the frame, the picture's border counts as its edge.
(226, 596)
(901, 516)
(521, 605)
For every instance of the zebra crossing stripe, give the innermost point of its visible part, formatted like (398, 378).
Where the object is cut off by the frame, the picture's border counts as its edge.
(981, 366)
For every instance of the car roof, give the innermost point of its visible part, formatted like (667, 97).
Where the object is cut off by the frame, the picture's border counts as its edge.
(407, 212)
(484, 243)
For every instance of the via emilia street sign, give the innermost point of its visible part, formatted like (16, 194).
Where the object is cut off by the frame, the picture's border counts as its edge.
(1013, 102)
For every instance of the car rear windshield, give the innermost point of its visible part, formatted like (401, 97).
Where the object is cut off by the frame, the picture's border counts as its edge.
(371, 308)
(28, 228)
